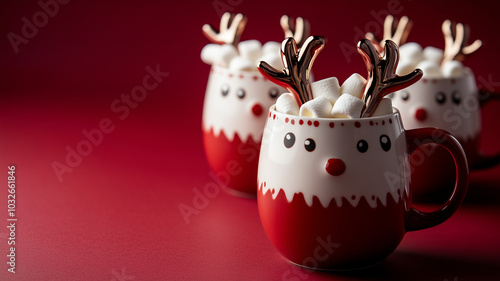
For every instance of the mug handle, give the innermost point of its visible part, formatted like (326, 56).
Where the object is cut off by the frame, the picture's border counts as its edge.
(487, 96)
(486, 161)
(415, 219)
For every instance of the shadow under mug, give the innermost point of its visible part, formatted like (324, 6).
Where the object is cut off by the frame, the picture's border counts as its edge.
(451, 104)
(335, 194)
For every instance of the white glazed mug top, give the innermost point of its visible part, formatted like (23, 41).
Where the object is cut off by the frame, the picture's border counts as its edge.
(334, 159)
(450, 103)
(236, 102)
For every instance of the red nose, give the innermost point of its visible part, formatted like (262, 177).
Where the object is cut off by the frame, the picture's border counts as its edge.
(421, 114)
(257, 109)
(335, 167)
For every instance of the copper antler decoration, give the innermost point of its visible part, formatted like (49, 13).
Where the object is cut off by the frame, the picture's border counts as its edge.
(295, 76)
(382, 79)
(299, 31)
(396, 31)
(456, 40)
(231, 28)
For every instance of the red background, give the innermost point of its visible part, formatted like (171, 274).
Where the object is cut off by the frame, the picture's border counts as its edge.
(116, 215)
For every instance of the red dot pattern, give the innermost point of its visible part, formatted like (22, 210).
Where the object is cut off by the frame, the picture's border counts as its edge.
(316, 123)
(240, 76)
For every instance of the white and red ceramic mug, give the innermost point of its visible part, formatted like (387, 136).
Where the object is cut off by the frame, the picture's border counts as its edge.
(335, 194)
(234, 115)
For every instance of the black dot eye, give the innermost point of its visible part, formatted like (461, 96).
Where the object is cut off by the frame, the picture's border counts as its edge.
(310, 145)
(385, 142)
(456, 97)
(240, 93)
(362, 146)
(391, 95)
(440, 97)
(273, 92)
(224, 89)
(405, 95)
(289, 140)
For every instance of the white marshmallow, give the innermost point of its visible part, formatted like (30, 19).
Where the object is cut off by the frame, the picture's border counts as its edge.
(272, 59)
(354, 86)
(241, 63)
(224, 55)
(405, 67)
(319, 107)
(383, 108)
(433, 54)
(287, 104)
(272, 47)
(328, 88)
(430, 68)
(347, 106)
(453, 68)
(209, 52)
(411, 51)
(250, 49)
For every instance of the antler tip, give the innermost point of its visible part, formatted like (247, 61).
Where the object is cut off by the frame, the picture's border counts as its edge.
(418, 73)
(364, 42)
(446, 24)
(206, 27)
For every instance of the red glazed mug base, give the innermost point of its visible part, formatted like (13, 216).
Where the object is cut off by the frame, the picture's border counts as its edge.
(233, 162)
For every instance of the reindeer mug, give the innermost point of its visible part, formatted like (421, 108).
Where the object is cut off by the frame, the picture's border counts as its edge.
(452, 104)
(334, 194)
(233, 120)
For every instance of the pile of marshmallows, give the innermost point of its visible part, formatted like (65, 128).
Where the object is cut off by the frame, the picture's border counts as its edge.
(332, 100)
(412, 56)
(245, 56)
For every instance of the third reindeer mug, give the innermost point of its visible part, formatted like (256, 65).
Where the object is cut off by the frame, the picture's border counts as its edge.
(452, 104)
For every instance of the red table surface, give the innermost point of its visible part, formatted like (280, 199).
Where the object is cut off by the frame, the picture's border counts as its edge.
(116, 215)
